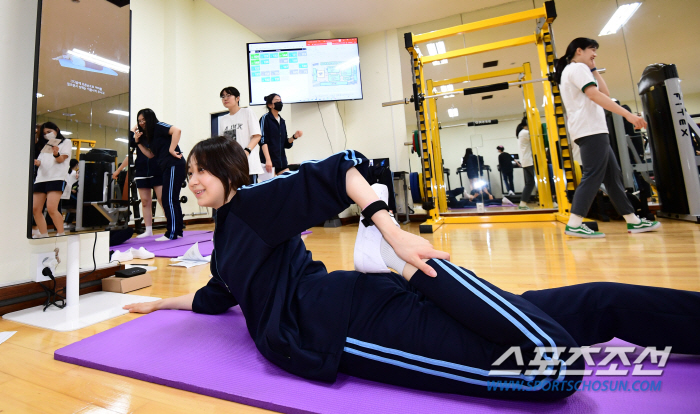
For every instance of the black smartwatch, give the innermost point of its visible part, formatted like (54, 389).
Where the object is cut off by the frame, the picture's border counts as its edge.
(247, 149)
(57, 155)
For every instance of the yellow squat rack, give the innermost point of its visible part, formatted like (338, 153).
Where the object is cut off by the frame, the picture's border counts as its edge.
(564, 177)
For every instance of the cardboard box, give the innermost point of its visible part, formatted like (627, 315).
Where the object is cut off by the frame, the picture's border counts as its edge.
(126, 284)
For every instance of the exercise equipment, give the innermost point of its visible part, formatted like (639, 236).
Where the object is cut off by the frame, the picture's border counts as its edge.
(670, 128)
(98, 204)
(433, 185)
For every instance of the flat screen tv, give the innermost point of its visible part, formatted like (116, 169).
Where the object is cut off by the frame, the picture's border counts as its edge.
(304, 70)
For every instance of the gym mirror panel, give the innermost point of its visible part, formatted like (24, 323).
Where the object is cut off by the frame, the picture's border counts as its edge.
(79, 134)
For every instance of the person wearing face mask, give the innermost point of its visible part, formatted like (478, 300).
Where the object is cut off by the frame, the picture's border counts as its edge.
(274, 138)
(239, 125)
(50, 178)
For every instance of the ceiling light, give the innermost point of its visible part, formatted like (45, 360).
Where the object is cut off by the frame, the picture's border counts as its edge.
(74, 148)
(437, 48)
(67, 114)
(432, 50)
(440, 46)
(89, 57)
(622, 14)
(453, 112)
(446, 88)
(122, 140)
(39, 95)
(85, 149)
(449, 96)
(119, 112)
(66, 133)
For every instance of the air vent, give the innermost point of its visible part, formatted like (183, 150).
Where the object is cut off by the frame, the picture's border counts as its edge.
(490, 64)
(485, 97)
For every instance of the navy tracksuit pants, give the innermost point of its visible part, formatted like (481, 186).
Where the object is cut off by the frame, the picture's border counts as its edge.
(443, 334)
(173, 177)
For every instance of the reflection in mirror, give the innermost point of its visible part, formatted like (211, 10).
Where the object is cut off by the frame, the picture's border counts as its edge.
(81, 118)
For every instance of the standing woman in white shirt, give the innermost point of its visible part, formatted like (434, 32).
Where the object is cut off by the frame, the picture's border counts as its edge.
(585, 96)
(241, 126)
(526, 161)
(50, 178)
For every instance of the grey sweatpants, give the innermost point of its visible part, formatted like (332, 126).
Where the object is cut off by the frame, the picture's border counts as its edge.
(529, 176)
(599, 166)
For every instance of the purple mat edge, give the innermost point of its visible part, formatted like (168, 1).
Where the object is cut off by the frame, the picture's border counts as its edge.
(180, 385)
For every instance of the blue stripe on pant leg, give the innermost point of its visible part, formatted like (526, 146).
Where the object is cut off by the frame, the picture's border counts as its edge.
(170, 203)
(431, 361)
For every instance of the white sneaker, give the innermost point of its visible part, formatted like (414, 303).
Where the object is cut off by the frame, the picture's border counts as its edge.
(163, 238)
(511, 193)
(145, 234)
(124, 256)
(367, 255)
(141, 253)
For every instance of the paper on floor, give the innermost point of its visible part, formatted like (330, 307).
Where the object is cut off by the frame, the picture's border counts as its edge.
(192, 257)
(4, 336)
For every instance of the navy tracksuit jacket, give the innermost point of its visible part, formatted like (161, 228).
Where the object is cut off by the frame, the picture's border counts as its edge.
(437, 334)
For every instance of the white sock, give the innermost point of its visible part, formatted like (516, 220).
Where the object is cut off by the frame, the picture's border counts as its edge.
(147, 233)
(35, 232)
(632, 219)
(60, 234)
(575, 221)
(523, 204)
(390, 258)
(43, 235)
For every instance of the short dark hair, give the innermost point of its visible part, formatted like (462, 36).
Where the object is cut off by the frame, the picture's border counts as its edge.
(224, 159)
(231, 91)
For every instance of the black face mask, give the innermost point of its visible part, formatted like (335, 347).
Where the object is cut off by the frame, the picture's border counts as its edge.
(278, 106)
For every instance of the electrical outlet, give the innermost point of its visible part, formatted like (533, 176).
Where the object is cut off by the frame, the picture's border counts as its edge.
(38, 266)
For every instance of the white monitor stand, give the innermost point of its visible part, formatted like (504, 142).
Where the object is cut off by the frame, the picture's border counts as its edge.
(91, 309)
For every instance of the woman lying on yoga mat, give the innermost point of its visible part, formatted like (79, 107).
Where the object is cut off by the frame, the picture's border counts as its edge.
(437, 328)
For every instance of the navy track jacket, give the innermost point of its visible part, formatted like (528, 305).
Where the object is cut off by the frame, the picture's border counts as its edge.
(296, 312)
(160, 146)
(274, 135)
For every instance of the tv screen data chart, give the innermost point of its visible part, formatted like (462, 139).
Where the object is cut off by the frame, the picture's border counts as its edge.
(305, 71)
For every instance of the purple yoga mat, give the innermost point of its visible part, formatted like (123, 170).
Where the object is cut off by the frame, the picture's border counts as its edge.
(205, 248)
(150, 243)
(214, 355)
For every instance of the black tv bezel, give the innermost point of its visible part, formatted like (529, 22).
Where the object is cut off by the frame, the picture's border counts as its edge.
(250, 92)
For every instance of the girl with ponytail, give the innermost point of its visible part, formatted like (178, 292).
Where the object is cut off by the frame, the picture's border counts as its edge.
(585, 95)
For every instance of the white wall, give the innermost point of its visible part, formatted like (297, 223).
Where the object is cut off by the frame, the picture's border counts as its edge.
(17, 35)
(374, 131)
(183, 53)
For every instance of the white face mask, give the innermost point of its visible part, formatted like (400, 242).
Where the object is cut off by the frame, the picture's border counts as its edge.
(51, 135)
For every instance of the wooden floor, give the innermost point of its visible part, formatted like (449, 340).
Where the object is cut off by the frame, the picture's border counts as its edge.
(515, 257)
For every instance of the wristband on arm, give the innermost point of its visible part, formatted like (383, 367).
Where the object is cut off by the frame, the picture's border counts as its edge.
(594, 69)
(371, 210)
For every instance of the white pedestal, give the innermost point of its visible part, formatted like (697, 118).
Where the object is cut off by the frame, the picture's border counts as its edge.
(93, 308)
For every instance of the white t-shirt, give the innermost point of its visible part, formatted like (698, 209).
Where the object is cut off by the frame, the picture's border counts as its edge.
(584, 117)
(70, 180)
(50, 170)
(525, 148)
(240, 127)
